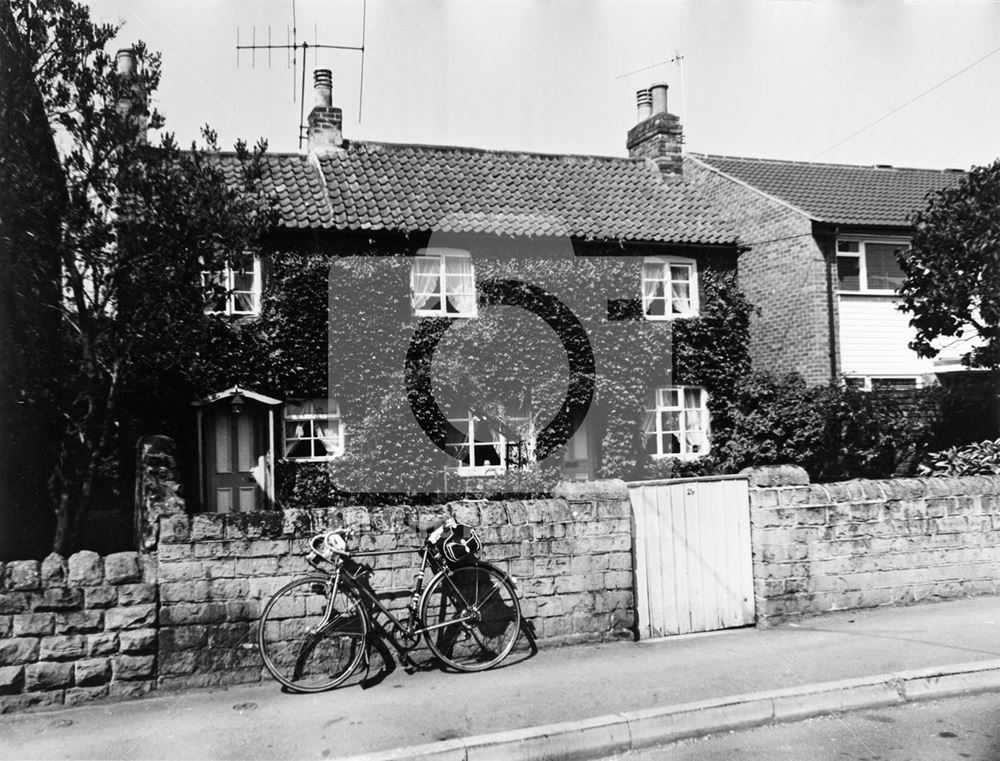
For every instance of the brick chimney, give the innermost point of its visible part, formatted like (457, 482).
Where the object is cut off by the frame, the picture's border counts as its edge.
(658, 135)
(131, 96)
(324, 126)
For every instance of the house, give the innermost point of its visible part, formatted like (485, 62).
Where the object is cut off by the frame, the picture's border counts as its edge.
(820, 264)
(629, 246)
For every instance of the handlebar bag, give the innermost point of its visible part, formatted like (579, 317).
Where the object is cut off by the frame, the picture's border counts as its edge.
(462, 543)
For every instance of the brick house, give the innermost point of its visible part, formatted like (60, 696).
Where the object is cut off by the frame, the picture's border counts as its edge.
(820, 264)
(448, 212)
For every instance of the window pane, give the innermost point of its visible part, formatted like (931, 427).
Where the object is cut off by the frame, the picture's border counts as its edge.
(670, 421)
(656, 307)
(668, 397)
(848, 246)
(898, 384)
(848, 273)
(884, 272)
(680, 273)
(692, 398)
(242, 302)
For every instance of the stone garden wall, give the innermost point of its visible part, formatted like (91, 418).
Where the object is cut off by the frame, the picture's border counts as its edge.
(854, 544)
(74, 631)
(571, 556)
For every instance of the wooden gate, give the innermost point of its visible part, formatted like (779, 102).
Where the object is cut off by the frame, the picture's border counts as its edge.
(693, 566)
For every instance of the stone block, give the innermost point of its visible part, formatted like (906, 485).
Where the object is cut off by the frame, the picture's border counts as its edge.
(76, 696)
(60, 598)
(137, 640)
(23, 574)
(101, 597)
(207, 526)
(18, 650)
(79, 621)
(6, 626)
(28, 624)
(256, 566)
(129, 690)
(61, 647)
(104, 643)
(26, 701)
(54, 570)
(11, 679)
(277, 547)
(127, 668)
(85, 569)
(776, 475)
(175, 638)
(136, 594)
(192, 613)
(178, 662)
(122, 568)
(184, 571)
(175, 529)
(133, 617)
(45, 676)
(185, 591)
(91, 671)
(582, 491)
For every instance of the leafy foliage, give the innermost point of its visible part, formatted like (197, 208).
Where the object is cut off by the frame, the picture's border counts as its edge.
(980, 458)
(952, 285)
(138, 226)
(835, 432)
(500, 364)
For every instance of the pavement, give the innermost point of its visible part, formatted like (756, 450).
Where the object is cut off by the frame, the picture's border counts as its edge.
(587, 701)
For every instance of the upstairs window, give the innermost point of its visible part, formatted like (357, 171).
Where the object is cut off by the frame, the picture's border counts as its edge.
(314, 430)
(235, 289)
(669, 288)
(676, 423)
(443, 284)
(866, 266)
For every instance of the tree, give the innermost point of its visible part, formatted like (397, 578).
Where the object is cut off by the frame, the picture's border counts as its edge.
(952, 285)
(139, 226)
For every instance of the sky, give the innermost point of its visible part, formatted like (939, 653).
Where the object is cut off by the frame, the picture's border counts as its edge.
(906, 83)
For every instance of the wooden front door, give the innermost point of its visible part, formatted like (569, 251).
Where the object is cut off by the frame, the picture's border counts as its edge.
(235, 459)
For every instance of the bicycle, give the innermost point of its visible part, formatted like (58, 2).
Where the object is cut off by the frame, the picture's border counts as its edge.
(314, 632)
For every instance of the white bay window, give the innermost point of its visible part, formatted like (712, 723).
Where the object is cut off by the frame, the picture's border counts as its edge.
(443, 284)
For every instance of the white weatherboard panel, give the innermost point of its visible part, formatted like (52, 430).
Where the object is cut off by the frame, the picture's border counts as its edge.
(874, 338)
(694, 570)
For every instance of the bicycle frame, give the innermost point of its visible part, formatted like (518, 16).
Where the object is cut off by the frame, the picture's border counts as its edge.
(409, 628)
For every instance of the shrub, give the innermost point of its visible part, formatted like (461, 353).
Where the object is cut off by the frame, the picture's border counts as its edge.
(980, 458)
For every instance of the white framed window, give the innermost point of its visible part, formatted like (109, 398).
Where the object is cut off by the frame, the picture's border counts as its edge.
(869, 266)
(669, 287)
(884, 383)
(443, 283)
(481, 450)
(676, 423)
(235, 289)
(314, 430)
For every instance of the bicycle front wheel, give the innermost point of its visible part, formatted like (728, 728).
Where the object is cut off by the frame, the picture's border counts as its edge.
(471, 617)
(312, 640)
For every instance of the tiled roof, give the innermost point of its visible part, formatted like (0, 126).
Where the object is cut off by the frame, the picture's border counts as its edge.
(409, 188)
(840, 193)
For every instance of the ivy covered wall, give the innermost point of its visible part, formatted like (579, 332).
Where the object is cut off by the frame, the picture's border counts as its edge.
(337, 320)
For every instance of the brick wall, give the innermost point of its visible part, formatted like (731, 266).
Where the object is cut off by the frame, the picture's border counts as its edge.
(572, 557)
(855, 544)
(783, 273)
(74, 631)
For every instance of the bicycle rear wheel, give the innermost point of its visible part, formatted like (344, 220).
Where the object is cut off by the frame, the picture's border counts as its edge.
(308, 641)
(472, 617)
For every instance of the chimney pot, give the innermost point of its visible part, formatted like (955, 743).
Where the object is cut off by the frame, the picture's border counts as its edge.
(325, 120)
(323, 88)
(125, 62)
(659, 93)
(658, 135)
(644, 102)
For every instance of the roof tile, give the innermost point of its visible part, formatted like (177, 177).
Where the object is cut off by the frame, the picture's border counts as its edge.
(409, 188)
(840, 193)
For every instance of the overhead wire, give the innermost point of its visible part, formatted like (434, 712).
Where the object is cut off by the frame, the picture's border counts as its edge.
(907, 103)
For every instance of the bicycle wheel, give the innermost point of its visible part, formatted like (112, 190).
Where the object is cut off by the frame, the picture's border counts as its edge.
(310, 642)
(471, 616)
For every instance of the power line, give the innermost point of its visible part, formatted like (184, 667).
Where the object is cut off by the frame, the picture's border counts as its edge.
(909, 102)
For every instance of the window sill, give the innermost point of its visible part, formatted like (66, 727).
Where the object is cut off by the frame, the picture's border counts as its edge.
(670, 318)
(684, 457)
(422, 313)
(329, 458)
